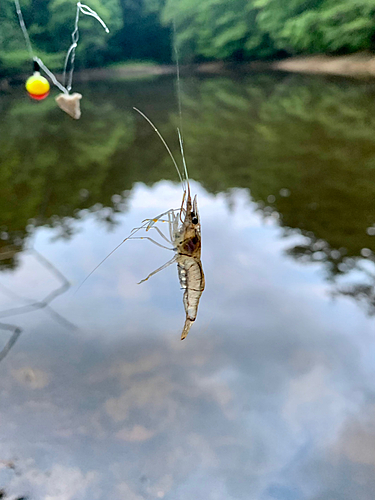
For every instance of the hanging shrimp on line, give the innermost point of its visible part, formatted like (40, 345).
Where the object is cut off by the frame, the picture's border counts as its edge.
(184, 237)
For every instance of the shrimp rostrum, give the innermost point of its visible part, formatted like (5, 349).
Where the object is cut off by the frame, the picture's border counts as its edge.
(184, 238)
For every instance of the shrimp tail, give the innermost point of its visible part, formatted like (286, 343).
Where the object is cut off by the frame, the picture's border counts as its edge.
(186, 328)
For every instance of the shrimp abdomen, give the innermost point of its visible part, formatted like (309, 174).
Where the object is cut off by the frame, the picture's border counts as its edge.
(191, 272)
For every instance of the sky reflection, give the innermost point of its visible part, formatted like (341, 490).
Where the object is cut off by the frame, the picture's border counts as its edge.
(271, 396)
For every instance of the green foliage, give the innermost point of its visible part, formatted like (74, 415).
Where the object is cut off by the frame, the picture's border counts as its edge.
(93, 38)
(210, 29)
(50, 24)
(264, 28)
(11, 41)
(318, 25)
(142, 35)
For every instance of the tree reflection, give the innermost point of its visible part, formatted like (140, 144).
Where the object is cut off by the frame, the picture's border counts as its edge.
(303, 145)
(10, 464)
(51, 168)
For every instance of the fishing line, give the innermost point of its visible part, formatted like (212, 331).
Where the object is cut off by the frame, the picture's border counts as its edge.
(178, 76)
(49, 73)
(179, 129)
(71, 54)
(23, 28)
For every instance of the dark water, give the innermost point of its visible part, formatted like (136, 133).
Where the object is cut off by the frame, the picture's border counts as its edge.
(272, 395)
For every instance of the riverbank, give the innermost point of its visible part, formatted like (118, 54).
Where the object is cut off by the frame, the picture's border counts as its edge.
(124, 71)
(354, 65)
(358, 65)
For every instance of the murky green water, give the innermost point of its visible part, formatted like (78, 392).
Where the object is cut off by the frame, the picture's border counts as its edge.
(272, 395)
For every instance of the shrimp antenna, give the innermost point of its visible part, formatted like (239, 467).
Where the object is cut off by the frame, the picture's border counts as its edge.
(113, 251)
(163, 141)
(183, 155)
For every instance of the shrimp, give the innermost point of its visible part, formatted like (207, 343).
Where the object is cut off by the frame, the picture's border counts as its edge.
(184, 237)
(190, 271)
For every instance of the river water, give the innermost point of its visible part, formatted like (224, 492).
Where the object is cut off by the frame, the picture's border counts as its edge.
(272, 394)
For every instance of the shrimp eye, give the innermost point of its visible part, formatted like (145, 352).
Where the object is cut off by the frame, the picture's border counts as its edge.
(194, 219)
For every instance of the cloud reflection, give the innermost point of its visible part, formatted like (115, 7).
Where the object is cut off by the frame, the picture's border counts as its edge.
(263, 401)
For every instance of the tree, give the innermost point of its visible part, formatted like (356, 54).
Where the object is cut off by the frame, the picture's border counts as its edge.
(142, 35)
(212, 30)
(300, 26)
(50, 24)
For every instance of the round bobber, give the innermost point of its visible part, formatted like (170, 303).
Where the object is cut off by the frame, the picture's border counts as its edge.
(37, 86)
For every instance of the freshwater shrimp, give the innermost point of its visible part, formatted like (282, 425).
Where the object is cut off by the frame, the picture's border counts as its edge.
(190, 271)
(184, 236)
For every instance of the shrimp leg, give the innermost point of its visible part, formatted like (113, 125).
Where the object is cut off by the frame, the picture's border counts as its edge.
(150, 239)
(157, 229)
(151, 222)
(162, 235)
(160, 269)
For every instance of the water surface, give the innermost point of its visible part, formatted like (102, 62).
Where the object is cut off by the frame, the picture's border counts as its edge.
(271, 396)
